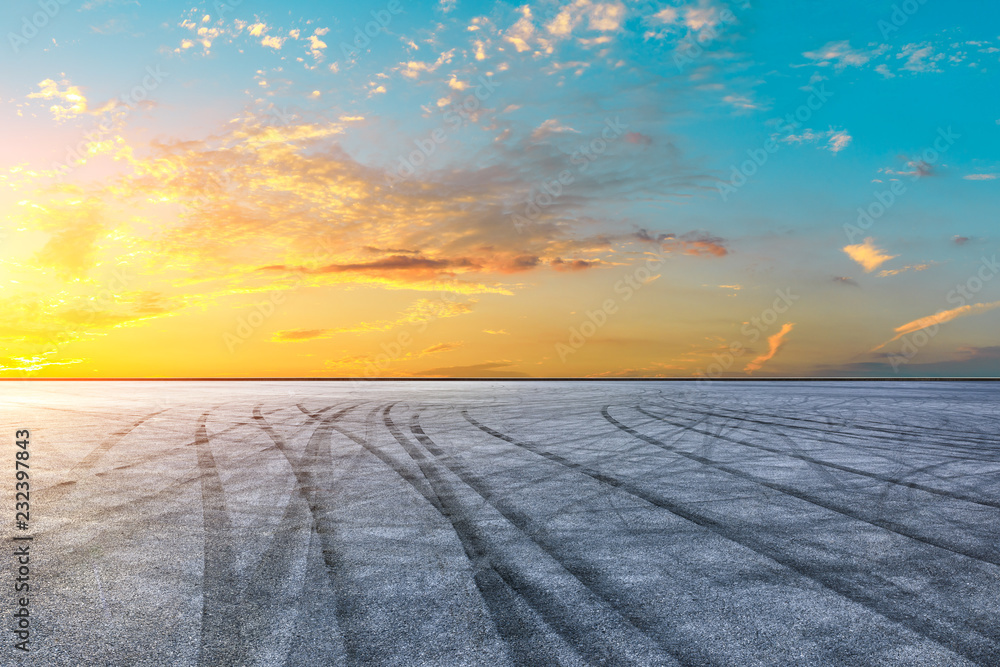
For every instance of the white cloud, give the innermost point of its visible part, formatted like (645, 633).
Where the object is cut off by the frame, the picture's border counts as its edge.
(522, 31)
(740, 101)
(551, 126)
(838, 141)
(273, 42)
(920, 58)
(833, 140)
(602, 17)
(884, 71)
(840, 55)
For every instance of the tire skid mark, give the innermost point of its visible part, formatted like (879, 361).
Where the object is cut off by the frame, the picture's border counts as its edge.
(308, 469)
(224, 639)
(862, 593)
(301, 510)
(836, 466)
(961, 437)
(867, 445)
(219, 602)
(845, 435)
(303, 478)
(603, 619)
(144, 499)
(893, 527)
(819, 469)
(88, 462)
(506, 608)
(314, 416)
(826, 421)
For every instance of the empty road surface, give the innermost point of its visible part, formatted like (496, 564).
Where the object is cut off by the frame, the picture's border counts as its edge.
(504, 523)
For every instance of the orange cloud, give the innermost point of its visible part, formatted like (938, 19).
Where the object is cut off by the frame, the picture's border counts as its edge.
(420, 313)
(912, 267)
(696, 244)
(938, 318)
(867, 255)
(774, 344)
(560, 264)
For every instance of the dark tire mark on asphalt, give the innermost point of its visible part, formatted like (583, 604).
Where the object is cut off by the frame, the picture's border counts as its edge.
(314, 416)
(510, 612)
(267, 595)
(979, 643)
(836, 466)
(219, 582)
(309, 488)
(83, 512)
(233, 619)
(87, 463)
(896, 434)
(874, 594)
(595, 626)
(975, 552)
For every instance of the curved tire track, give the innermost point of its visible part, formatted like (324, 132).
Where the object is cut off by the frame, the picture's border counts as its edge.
(592, 625)
(976, 646)
(978, 554)
(836, 466)
(219, 581)
(90, 461)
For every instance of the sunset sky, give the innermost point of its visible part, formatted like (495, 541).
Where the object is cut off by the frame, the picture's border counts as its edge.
(456, 188)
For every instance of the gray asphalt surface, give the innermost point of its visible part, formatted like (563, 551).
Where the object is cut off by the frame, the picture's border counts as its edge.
(507, 523)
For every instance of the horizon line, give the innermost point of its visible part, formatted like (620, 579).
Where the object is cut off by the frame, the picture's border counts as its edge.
(512, 379)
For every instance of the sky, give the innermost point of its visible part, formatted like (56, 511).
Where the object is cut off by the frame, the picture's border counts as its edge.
(482, 189)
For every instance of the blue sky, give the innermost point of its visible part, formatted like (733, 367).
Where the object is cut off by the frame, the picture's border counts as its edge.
(423, 151)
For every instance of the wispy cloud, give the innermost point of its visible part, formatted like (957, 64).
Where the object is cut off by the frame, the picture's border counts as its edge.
(840, 55)
(867, 254)
(920, 58)
(939, 318)
(774, 343)
(420, 313)
(910, 267)
(831, 140)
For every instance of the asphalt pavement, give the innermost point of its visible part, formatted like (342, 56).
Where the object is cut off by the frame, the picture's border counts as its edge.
(504, 523)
